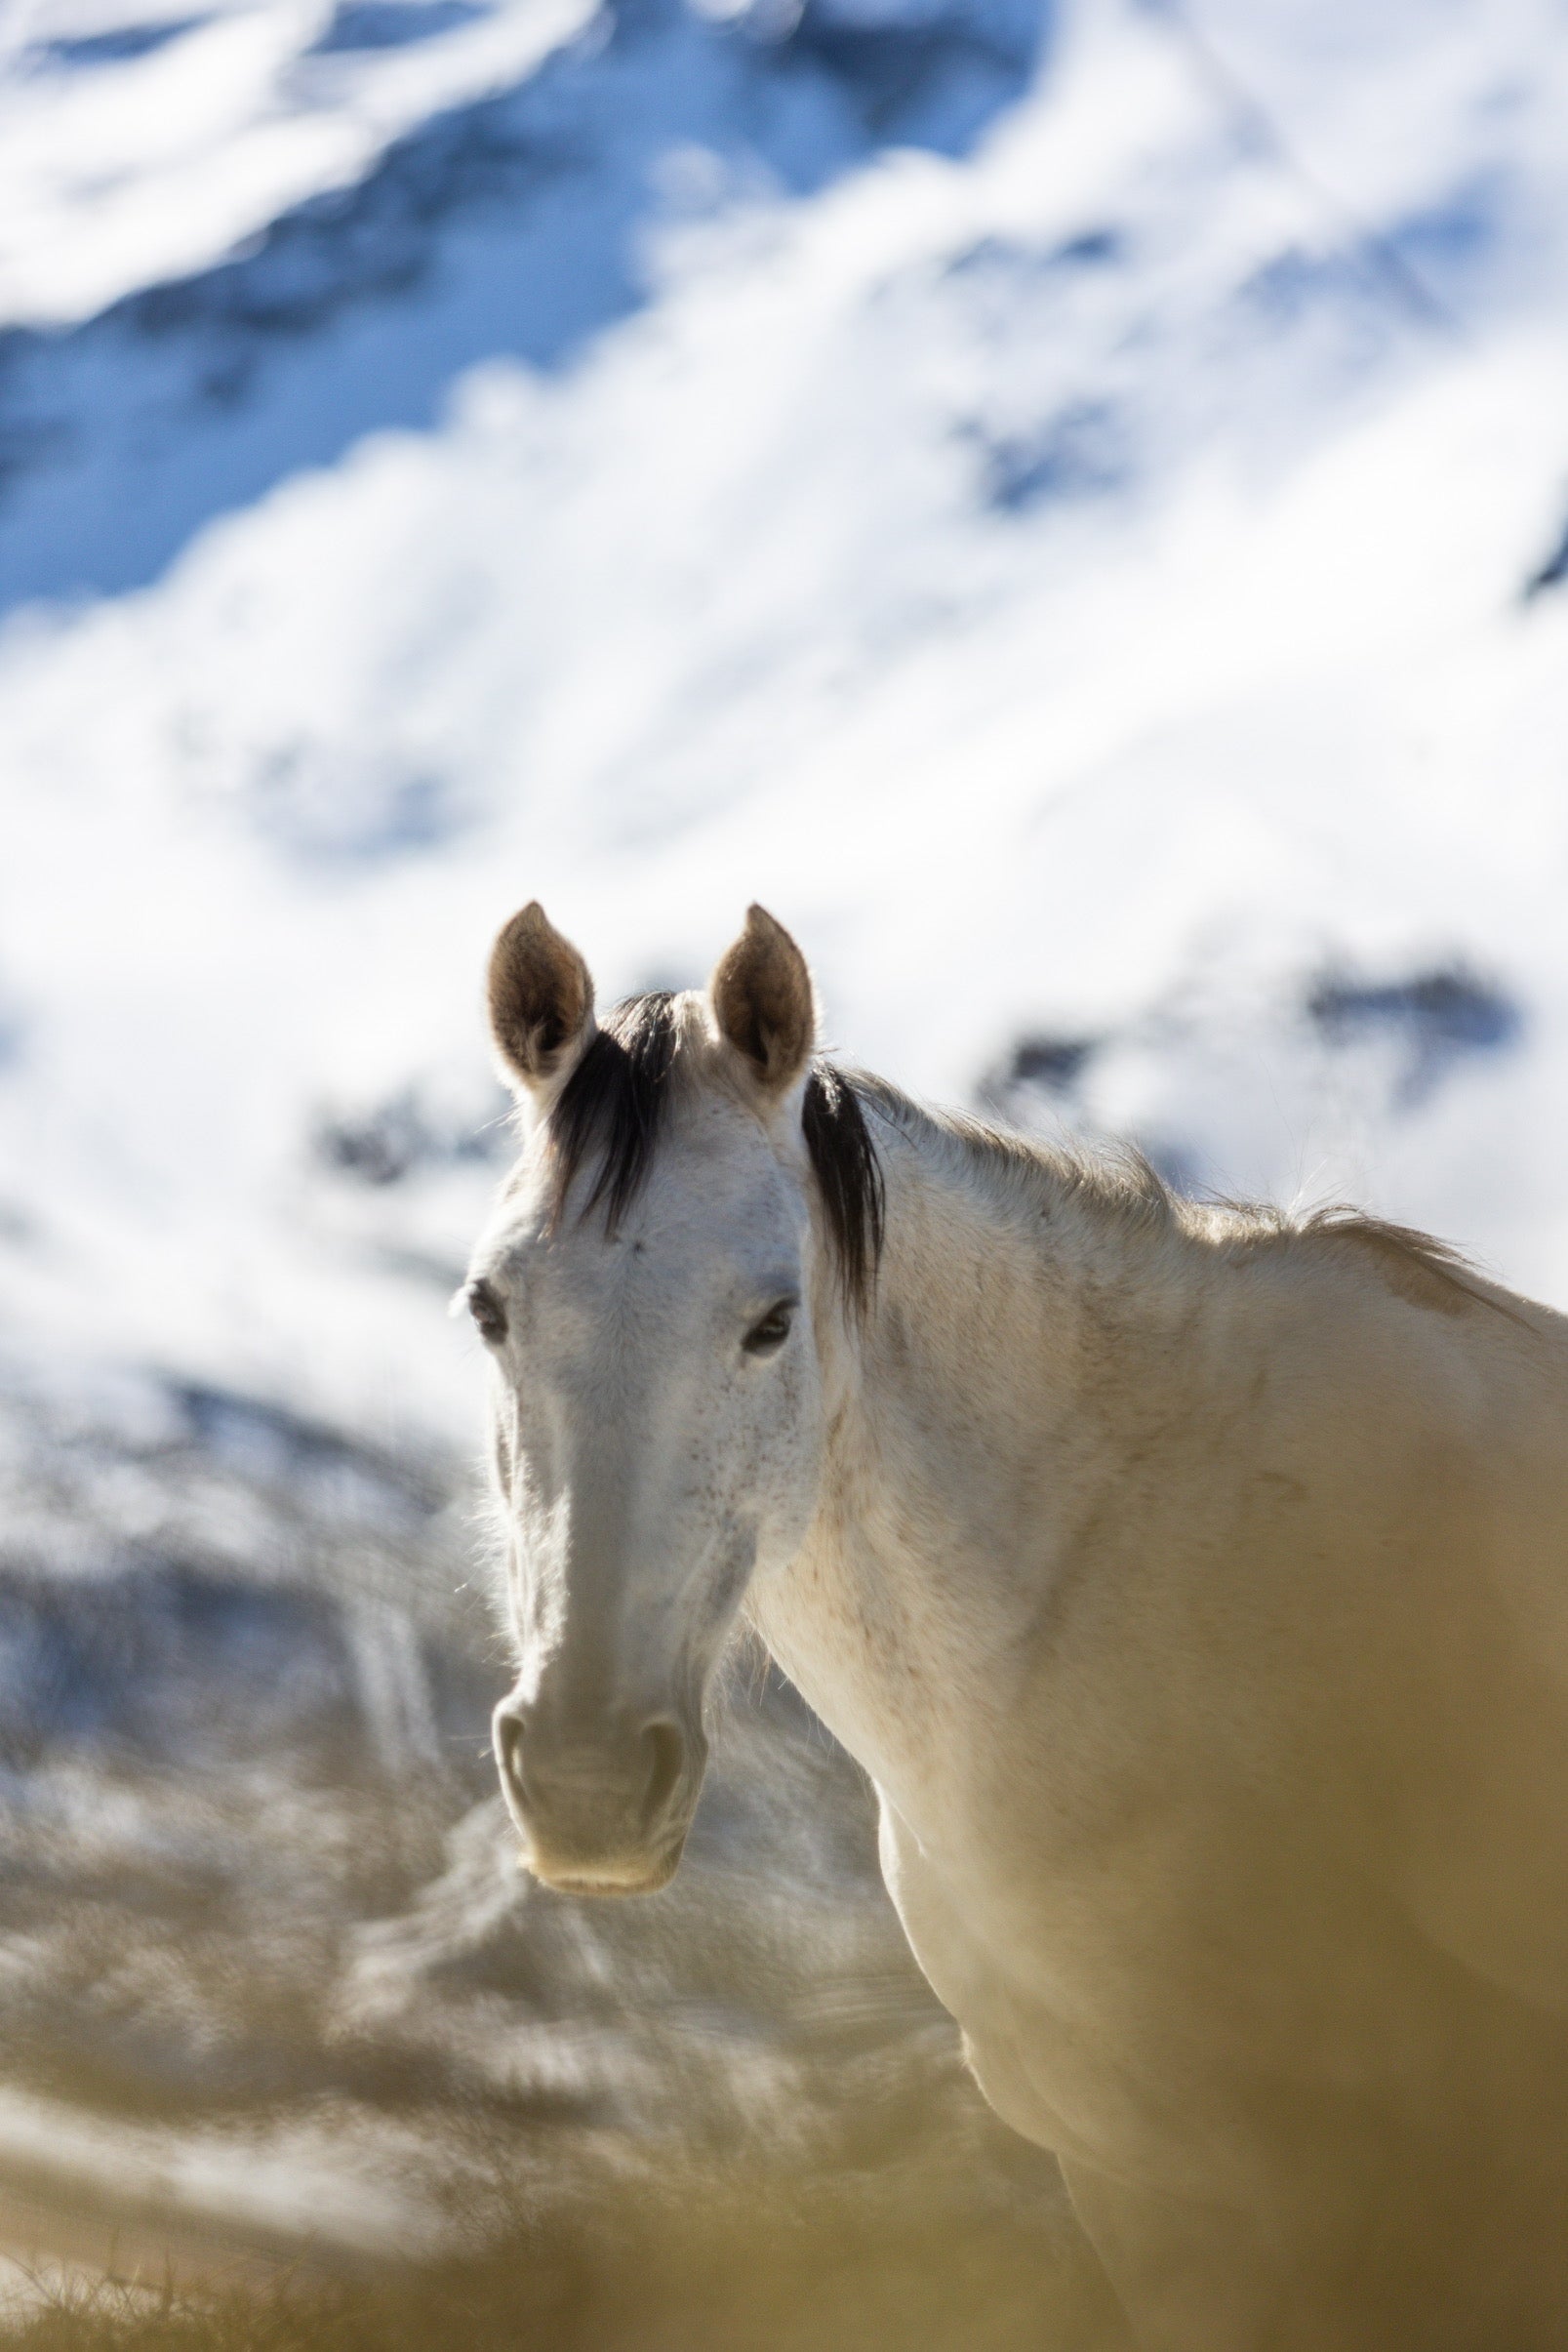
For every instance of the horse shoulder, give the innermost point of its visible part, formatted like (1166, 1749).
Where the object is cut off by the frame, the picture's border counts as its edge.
(1483, 1869)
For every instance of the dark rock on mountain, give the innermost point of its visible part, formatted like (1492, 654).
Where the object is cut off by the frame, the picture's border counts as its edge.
(1552, 573)
(1433, 1018)
(1039, 1066)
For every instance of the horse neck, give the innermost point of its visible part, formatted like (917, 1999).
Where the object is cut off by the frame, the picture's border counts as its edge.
(966, 1445)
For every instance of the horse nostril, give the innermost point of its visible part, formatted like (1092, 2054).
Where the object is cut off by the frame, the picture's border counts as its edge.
(664, 1747)
(508, 1732)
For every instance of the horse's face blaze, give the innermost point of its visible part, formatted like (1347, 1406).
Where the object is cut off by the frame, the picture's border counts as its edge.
(656, 1436)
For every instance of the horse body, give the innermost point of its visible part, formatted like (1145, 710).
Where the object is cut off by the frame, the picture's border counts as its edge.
(1193, 1590)
(1201, 1650)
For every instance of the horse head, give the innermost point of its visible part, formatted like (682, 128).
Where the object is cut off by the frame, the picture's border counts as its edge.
(695, 1199)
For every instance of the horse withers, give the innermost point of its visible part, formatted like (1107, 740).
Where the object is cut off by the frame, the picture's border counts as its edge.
(1193, 1582)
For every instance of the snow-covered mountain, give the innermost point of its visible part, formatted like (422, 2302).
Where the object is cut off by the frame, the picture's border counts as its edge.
(1072, 513)
(1078, 573)
(234, 242)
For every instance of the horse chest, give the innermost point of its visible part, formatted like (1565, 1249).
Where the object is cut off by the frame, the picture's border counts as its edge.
(1340, 2178)
(1026, 2049)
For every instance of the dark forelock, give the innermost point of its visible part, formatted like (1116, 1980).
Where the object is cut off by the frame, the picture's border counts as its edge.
(612, 1109)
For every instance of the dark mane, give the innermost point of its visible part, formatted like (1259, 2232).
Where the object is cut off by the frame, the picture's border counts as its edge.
(615, 1104)
(849, 1179)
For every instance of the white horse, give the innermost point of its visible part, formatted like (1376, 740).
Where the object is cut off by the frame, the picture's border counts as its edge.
(1193, 1585)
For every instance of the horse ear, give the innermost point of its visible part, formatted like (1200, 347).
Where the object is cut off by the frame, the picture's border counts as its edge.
(540, 1002)
(762, 1001)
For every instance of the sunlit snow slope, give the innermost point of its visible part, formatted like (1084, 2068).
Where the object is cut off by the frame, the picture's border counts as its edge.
(1095, 575)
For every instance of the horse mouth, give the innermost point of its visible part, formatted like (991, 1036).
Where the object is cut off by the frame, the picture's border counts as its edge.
(625, 1875)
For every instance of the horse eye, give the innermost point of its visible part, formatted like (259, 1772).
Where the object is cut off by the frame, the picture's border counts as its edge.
(488, 1313)
(772, 1331)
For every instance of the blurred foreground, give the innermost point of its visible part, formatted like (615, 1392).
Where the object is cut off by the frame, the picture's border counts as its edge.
(295, 2049)
(893, 2257)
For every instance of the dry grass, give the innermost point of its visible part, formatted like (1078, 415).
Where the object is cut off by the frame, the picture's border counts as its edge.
(881, 2264)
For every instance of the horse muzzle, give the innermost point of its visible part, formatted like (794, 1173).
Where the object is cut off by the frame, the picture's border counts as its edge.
(601, 1808)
